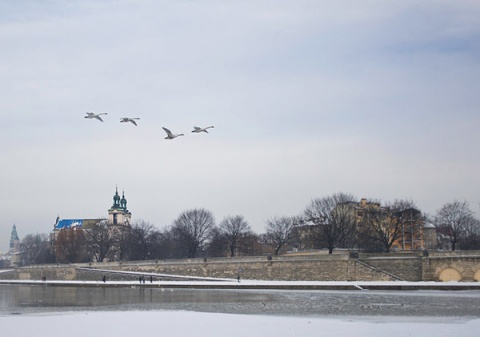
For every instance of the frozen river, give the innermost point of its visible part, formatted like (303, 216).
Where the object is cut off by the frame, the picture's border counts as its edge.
(129, 311)
(35, 299)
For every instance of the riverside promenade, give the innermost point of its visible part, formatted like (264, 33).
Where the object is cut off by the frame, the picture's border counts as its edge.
(153, 280)
(340, 271)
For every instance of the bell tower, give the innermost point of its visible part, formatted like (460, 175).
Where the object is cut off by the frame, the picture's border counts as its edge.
(118, 214)
(14, 241)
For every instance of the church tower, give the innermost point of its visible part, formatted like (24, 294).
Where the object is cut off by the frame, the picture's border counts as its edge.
(14, 241)
(118, 214)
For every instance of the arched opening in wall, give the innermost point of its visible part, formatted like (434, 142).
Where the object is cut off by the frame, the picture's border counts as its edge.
(450, 274)
(476, 277)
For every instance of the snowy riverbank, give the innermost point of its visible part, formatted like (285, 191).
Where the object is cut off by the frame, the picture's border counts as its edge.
(256, 284)
(181, 323)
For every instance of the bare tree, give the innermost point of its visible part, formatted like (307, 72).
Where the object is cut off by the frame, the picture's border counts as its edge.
(101, 240)
(123, 248)
(217, 246)
(279, 231)
(168, 246)
(143, 240)
(192, 229)
(472, 239)
(333, 220)
(36, 249)
(389, 223)
(70, 246)
(233, 229)
(456, 220)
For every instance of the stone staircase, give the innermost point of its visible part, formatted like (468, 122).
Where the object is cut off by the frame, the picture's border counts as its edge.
(376, 274)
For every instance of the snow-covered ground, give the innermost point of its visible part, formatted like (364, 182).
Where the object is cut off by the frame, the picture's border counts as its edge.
(184, 323)
(256, 283)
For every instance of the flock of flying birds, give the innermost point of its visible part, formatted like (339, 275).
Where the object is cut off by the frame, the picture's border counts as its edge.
(169, 133)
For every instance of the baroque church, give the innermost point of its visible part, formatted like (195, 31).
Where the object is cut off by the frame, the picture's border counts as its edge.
(118, 215)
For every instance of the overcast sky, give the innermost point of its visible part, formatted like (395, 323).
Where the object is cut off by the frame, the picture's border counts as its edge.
(379, 99)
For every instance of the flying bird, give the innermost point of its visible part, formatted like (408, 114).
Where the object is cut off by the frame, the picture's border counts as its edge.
(91, 115)
(131, 120)
(170, 135)
(197, 129)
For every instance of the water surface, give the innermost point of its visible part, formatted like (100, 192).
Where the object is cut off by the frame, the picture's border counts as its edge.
(19, 299)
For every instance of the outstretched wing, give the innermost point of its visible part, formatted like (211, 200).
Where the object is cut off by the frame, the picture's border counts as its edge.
(169, 133)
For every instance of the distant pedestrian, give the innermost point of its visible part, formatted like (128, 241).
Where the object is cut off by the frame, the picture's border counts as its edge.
(104, 279)
(151, 279)
(238, 278)
(140, 279)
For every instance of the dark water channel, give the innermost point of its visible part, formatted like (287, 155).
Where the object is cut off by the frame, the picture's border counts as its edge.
(16, 299)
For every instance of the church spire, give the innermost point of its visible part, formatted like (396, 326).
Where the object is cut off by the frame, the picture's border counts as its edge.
(14, 238)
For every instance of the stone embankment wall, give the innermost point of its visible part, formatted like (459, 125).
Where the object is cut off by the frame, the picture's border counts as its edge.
(460, 267)
(334, 269)
(324, 268)
(341, 267)
(51, 272)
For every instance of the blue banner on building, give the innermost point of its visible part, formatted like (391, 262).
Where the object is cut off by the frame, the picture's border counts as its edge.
(69, 223)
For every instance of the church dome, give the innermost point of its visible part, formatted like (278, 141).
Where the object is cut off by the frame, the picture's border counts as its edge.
(123, 201)
(116, 199)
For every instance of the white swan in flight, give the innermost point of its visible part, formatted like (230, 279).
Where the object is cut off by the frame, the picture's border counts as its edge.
(96, 116)
(197, 129)
(170, 135)
(127, 119)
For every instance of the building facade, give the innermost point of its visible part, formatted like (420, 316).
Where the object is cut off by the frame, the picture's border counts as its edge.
(83, 240)
(372, 227)
(118, 215)
(404, 226)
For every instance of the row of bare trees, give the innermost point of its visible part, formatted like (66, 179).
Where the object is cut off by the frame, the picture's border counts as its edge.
(339, 221)
(193, 234)
(36, 249)
(336, 221)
